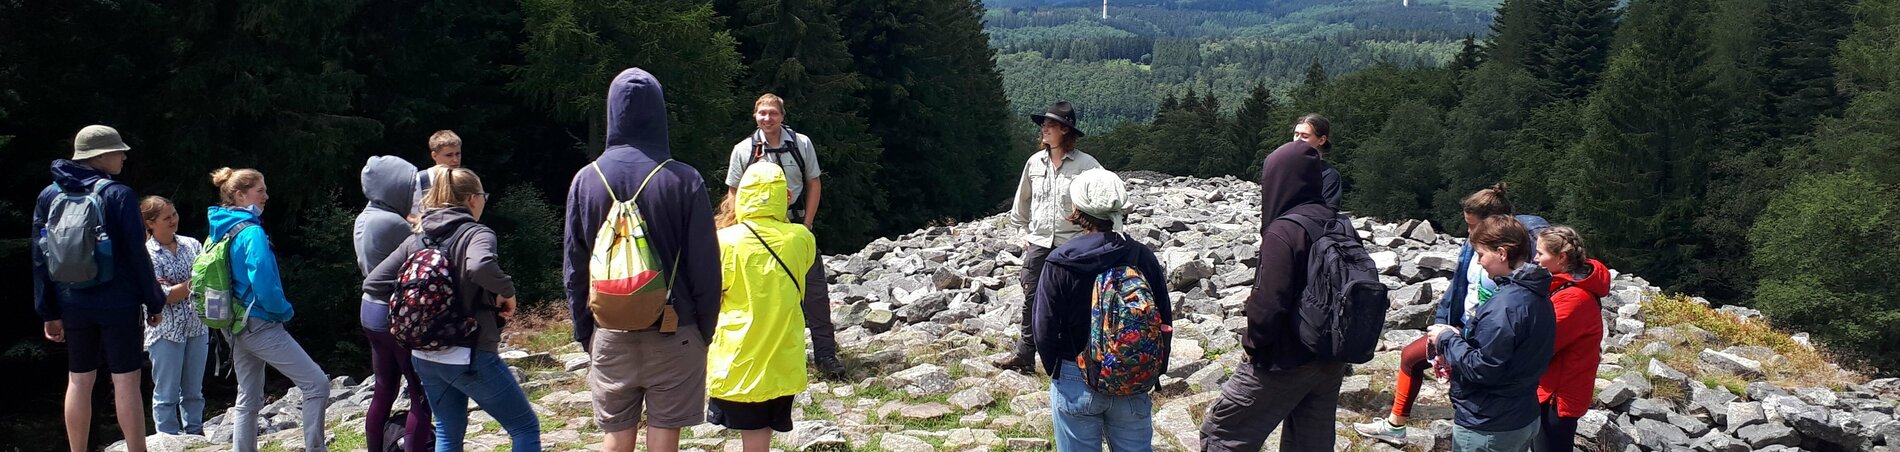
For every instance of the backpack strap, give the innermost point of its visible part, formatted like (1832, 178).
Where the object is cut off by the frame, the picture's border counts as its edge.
(781, 262)
(1312, 227)
(604, 183)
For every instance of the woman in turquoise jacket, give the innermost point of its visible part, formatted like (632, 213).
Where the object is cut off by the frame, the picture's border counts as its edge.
(262, 339)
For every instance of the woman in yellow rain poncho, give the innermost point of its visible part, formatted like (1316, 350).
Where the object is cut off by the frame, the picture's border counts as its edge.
(757, 359)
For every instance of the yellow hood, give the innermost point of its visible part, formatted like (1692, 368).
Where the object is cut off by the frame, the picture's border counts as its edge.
(763, 193)
(758, 348)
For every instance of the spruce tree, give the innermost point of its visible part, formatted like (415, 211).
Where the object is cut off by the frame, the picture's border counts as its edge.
(1580, 35)
(1643, 163)
(1800, 37)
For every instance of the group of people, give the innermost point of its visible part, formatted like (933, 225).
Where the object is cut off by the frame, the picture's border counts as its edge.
(737, 297)
(1517, 334)
(687, 310)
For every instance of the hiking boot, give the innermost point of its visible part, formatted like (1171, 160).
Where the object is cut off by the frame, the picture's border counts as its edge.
(1024, 359)
(1381, 430)
(829, 368)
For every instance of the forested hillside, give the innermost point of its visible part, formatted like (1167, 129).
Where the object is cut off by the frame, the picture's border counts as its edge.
(1126, 63)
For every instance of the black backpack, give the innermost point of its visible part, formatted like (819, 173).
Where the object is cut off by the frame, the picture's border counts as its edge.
(1342, 309)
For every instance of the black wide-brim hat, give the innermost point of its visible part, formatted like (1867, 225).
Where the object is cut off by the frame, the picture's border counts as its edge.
(1062, 113)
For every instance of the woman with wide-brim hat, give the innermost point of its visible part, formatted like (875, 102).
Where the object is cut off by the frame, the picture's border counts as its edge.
(1041, 208)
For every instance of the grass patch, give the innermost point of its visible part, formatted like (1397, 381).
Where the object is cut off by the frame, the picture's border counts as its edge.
(552, 423)
(1804, 367)
(491, 427)
(347, 439)
(1734, 385)
(542, 328)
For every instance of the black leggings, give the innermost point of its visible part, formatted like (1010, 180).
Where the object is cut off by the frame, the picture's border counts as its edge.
(1559, 433)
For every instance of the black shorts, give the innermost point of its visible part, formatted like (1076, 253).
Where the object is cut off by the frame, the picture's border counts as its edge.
(775, 414)
(113, 336)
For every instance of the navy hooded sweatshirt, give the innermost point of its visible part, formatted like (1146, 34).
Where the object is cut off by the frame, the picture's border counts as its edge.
(1063, 312)
(132, 281)
(1290, 182)
(1498, 358)
(675, 205)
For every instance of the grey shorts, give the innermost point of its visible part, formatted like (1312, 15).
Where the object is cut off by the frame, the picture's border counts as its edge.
(660, 375)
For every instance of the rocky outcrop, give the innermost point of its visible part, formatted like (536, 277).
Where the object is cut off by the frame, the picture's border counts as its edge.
(920, 315)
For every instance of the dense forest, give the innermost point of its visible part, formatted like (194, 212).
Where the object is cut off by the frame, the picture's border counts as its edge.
(1742, 150)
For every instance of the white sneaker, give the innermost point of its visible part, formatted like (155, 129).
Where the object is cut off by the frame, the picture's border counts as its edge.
(1381, 430)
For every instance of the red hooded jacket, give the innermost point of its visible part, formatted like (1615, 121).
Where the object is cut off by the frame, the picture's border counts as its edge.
(1571, 378)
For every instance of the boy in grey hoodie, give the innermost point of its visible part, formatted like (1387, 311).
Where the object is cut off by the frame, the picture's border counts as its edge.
(380, 229)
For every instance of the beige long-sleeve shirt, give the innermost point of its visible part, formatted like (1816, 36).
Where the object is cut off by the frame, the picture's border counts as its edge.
(1042, 198)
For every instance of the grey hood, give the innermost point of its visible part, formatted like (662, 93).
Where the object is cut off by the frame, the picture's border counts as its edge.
(389, 183)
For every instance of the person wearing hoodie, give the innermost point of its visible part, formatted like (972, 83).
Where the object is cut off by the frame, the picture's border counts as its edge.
(379, 230)
(1316, 130)
(1084, 419)
(1040, 207)
(1468, 285)
(1577, 286)
(263, 340)
(757, 361)
(451, 215)
(100, 322)
(1497, 357)
(181, 343)
(773, 141)
(645, 372)
(1279, 380)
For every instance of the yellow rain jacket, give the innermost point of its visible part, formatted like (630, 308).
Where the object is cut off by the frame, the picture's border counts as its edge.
(758, 351)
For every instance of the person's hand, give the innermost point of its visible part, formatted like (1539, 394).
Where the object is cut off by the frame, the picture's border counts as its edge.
(178, 293)
(55, 331)
(1435, 330)
(1440, 370)
(507, 305)
(152, 320)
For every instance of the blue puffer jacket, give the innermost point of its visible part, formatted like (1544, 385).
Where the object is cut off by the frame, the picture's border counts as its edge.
(1498, 359)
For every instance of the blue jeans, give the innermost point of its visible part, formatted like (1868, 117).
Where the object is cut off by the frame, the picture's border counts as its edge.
(487, 380)
(178, 377)
(1084, 418)
(1519, 440)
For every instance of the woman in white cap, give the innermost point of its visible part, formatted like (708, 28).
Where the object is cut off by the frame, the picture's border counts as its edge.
(1042, 207)
(1104, 352)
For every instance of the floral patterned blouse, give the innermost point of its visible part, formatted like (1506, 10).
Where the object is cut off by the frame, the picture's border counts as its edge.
(180, 320)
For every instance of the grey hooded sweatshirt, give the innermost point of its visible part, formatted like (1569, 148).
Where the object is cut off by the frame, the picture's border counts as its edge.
(388, 183)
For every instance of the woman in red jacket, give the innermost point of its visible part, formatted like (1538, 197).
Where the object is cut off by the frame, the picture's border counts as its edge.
(1577, 284)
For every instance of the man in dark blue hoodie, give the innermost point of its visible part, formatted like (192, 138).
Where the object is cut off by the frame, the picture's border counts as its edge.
(1084, 418)
(100, 321)
(1280, 380)
(645, 371)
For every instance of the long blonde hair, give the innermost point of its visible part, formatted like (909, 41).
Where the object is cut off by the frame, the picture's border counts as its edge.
(451, 188)
(233, 182)
(723, 215)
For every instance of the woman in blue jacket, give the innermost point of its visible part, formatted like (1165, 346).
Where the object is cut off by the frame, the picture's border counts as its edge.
(1497, 357)
(263, 339)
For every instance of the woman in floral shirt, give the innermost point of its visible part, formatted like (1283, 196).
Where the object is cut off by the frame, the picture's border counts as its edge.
(179, 344)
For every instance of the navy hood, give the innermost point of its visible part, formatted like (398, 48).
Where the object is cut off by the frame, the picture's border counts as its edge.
(636, 114)
(71, 176)
(1091, 254)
